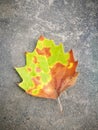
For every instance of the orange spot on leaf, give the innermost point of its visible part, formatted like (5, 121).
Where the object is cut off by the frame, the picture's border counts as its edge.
(45, 51)
(29, 69)
(29, 91)
(35, 60)
(36, 80)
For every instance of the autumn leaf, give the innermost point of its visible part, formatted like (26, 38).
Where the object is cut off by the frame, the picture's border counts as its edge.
(48, 71)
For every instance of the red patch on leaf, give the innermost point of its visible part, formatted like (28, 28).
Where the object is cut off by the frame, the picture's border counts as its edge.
(36, 80)
(45, 51)
(38, 69)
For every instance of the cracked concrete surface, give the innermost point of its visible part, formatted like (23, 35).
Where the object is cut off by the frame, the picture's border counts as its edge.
(75, 23)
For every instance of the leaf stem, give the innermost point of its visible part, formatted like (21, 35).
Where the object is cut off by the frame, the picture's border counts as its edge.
(60, 105)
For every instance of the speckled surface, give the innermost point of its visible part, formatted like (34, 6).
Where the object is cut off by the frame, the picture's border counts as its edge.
(73, 22)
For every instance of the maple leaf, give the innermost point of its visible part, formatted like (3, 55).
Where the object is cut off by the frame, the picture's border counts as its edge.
(48, 70)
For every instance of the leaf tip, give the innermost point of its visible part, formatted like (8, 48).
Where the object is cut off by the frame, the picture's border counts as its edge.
(41, 38)
(15, 68)
(26, 52)
(17, 83)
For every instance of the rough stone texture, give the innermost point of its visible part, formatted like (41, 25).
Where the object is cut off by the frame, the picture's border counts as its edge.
(73, 22)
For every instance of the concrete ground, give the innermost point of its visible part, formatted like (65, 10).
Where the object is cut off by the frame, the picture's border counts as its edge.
(75, 24)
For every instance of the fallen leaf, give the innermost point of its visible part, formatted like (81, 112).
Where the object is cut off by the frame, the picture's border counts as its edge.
(48, 71)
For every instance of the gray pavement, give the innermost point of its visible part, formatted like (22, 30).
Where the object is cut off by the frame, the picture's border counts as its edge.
(75, 24)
